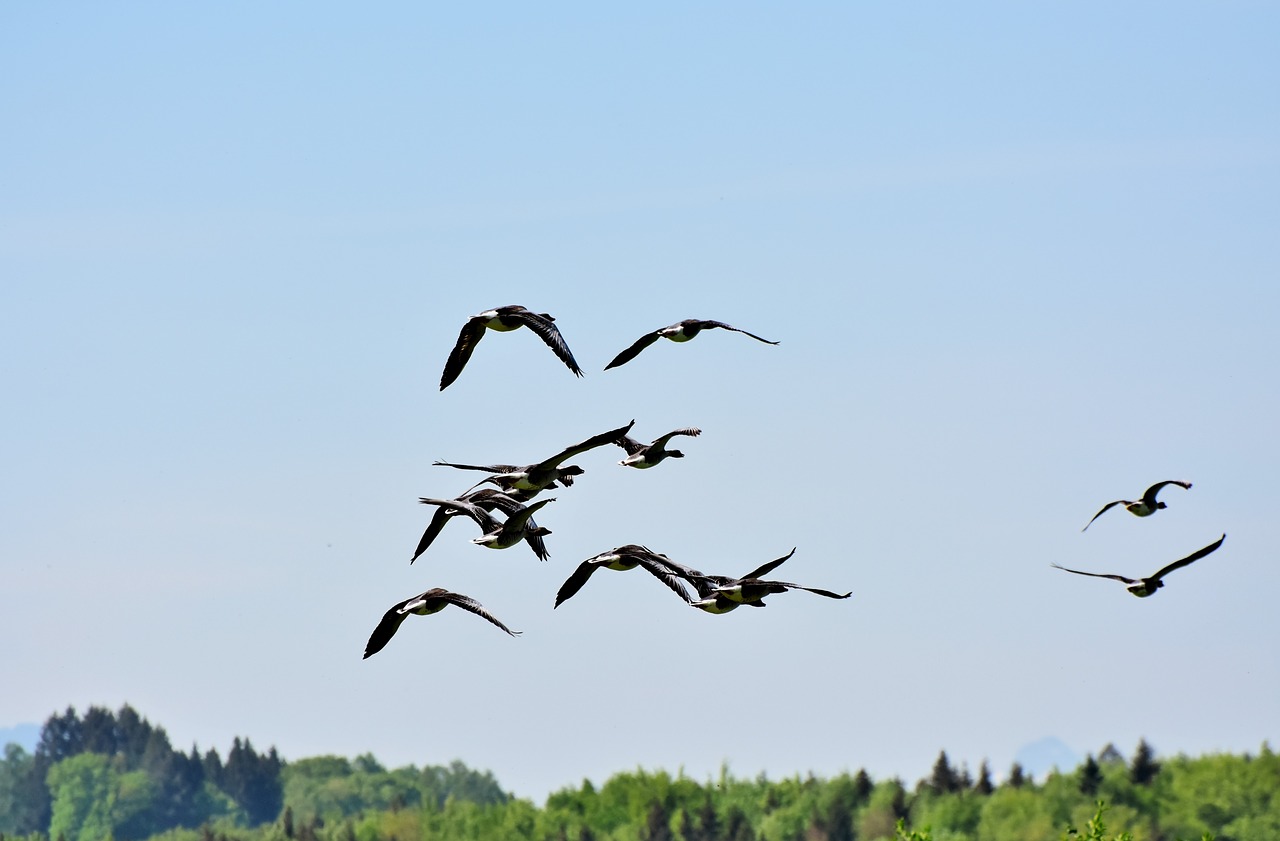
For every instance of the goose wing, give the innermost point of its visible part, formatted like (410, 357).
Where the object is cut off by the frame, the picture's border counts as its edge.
(438, 520)
(487, 468)
(706, 325)
(1099, 575)
(1149, 495)
(544, 325)
(815, 590)
(1104, 510)
(634, 351)
(691, 431)
(1192, 558)
(472, 333)
(769, 567)
(591, 443)
(468, 603)
(483, 518)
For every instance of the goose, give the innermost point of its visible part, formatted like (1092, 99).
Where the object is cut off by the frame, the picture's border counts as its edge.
(545, 474)
(1143, 587)
(623, 558)
(497, 535)
(721, 593)
(681, 331)
(424, 604)
(642, 456)
(502, 320)
(1144, 507)
(488, 499)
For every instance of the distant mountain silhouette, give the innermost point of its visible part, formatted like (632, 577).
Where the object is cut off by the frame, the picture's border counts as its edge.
(26, 735)
(1039, 758)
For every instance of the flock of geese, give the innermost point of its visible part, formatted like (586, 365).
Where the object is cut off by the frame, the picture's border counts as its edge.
(510, 489)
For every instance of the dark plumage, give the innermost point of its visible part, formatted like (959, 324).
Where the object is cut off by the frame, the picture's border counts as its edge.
(721, 593)
(1143, 587)
(681, 331)
(488, 499)
(647, 455)
(623, 558)
(1144, 507)
(502, 320)
(424, 604)
(547, 473)
(519, 525)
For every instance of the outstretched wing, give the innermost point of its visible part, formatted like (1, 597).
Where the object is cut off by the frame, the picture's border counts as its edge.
(544, 326)
(769, 567)
(472, 333)
(662, 571)
(1098, 575)
(705, 325)
(1193, 557)
(1149, 496)
(483, 518)
(574, 582)
(1104, 510)
(438, 519)
(815, 590)
(692, 432)
(591, 443)
(487, 468)
(634, 351)
(387, 628)
(468, 603)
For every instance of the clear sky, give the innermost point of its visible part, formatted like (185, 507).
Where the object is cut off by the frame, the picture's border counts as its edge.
(1021, 258)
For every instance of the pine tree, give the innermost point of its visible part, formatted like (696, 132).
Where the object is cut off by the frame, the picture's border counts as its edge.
(1016, 777)
(1144, 767)
(984, 786)
(1090, 776)
(658, 823)
(943, 780)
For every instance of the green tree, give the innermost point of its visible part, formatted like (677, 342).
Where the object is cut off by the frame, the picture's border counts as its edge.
(1090, 776)
(82, 792)
(1144, 767)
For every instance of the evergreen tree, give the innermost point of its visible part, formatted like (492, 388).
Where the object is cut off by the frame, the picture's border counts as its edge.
(862, 785)
(984, 786)
(1110, 755)
(1090, 777)
(1016, 777)
(1144, 767)
(943, 780)
(657, 823)
(709, 820)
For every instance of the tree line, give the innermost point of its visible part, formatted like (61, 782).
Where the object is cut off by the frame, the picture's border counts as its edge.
(113, 775)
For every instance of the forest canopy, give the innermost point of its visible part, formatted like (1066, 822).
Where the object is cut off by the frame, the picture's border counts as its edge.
(114, 775)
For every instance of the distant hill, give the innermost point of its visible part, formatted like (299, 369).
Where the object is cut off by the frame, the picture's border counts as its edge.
(1039, 758)
(26, 735)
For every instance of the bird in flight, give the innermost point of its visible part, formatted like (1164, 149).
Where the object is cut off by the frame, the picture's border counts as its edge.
(641, 456)
(518, 526)
(488, 499)
(1144, 507)
(424, 604)
(503, 320)
(681, 331)
(723, 593)
(1143, 587)
(623, 558)
(547, 473)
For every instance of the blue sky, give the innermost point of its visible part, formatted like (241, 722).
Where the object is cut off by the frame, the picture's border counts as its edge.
(1020, 258)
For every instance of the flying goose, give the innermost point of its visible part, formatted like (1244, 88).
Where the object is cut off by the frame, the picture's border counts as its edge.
(497, 535)
(641, 456)
(681, 331)
(546, 473)
(1144, 507)
(488, 499)
(505, 319)
(425, 604)
(1143, 587)
(623, 558)
(721, 593)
